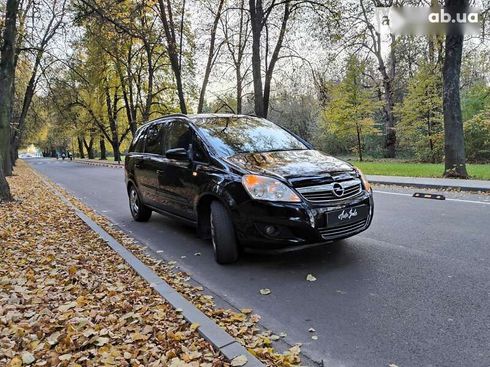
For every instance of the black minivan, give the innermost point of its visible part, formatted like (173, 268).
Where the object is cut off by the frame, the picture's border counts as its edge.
(244, 181)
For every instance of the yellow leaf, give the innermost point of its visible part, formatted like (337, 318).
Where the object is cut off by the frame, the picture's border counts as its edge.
(72, 270)
(15, 362)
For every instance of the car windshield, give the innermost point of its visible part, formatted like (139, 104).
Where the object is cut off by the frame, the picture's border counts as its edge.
(233, 135)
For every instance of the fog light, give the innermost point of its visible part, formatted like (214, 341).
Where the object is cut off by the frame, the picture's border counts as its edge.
(270, 230)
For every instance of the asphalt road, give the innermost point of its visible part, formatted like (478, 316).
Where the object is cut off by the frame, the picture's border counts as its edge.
(413, 290)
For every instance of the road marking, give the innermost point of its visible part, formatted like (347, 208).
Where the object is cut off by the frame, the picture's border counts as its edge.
(447, 199)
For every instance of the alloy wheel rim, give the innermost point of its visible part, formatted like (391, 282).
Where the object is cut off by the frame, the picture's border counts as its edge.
(134, 201)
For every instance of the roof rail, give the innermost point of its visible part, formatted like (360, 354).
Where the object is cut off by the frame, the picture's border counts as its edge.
(178, 114)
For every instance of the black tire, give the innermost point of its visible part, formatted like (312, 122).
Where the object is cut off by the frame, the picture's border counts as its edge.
(223, 235)
(139, 211)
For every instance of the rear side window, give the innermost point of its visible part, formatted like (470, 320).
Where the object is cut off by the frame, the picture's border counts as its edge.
(178, 135)
(138, 142)
(154, 139)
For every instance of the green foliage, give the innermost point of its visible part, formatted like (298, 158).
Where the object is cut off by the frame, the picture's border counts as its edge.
(420, 127)
(350, 108)
(474, 100)
(477, 137)
(390, 168)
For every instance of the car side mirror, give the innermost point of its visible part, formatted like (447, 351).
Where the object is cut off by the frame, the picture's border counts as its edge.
(179, 154)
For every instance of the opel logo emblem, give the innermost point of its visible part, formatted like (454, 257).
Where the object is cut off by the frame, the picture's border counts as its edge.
(338, 190)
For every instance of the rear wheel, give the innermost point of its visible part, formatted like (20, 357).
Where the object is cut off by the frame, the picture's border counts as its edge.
(223, 235)
(139, 211)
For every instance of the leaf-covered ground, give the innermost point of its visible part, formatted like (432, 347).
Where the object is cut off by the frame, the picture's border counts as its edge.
(67, 299)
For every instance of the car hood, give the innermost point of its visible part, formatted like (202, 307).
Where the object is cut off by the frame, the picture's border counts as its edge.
(290, 164)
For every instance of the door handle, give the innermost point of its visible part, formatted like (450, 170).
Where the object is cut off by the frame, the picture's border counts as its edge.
(139, 164)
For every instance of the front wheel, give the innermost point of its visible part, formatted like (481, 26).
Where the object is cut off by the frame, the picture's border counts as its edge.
(139, 211)
(223, 235)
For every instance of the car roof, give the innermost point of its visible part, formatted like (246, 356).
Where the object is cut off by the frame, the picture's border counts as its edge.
(193, 117)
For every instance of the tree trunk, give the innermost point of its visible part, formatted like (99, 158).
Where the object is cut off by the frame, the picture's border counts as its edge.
(274, 58)
(116, 150)
(431, 143)
(103, 154)
(169, 28)
(112, 112)
(80, 147)
(7, 76)
(210, 62)
(14, 152)
(242, 42)
(455, 161)
(390, 137)
(359, 144)
(5, 194)
(239, 91)
(256, 20)
(89, 147)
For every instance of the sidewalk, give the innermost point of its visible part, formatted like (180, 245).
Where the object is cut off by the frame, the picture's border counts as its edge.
(432, 183)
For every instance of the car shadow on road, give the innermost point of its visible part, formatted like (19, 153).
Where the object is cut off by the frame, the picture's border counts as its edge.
(338, 254)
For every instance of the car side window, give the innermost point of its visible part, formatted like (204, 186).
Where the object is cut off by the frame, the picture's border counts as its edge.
(199, 151)
(178, 135)
(154, 139)
(138, 142)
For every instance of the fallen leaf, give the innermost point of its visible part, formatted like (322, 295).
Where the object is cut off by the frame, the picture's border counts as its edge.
(310, 278)
(311, 330)
(265, 291)
(241, 360)
(65, 357)
(27, 358)
(194, 326)
(100, 341)
(15, 362)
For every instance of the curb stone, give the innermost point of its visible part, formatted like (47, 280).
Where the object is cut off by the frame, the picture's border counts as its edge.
(100, 163)
(429, 185)
(208, 329)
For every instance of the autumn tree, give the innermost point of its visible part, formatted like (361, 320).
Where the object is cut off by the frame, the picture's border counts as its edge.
(351, 106)
(235, 26)
(7, 76)
(420, 125)
(50, 17)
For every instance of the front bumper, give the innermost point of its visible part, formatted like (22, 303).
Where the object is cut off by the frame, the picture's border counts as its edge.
(298, 225)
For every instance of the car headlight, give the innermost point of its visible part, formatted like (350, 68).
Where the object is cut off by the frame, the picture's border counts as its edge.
(267, 188)
(364, 180)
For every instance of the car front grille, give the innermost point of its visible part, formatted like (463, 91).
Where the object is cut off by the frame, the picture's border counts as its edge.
(327, 193)
(343, 230)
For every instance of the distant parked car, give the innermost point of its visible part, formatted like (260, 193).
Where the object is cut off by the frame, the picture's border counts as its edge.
(244, 182)
(26, 155)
